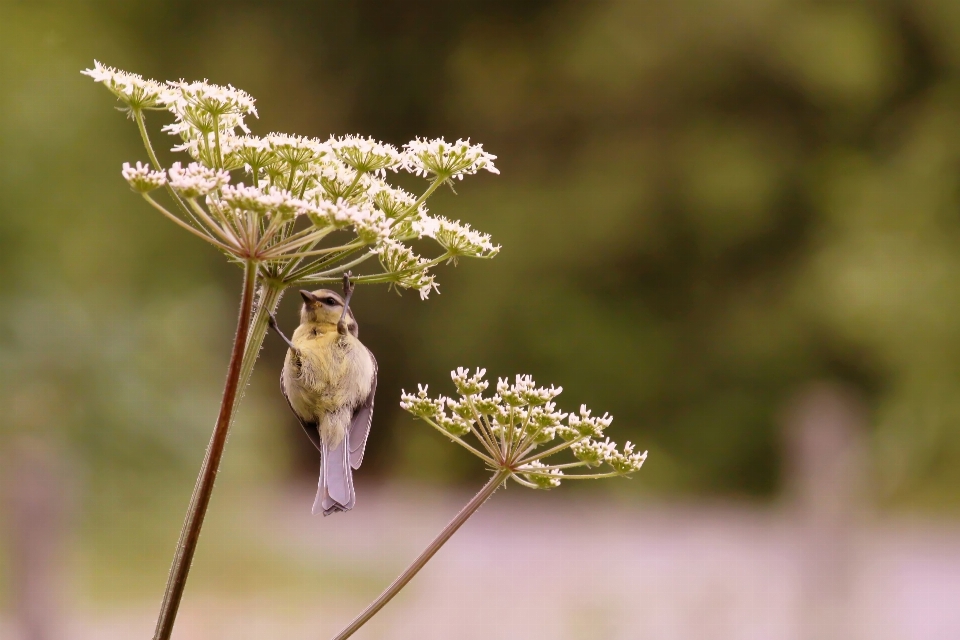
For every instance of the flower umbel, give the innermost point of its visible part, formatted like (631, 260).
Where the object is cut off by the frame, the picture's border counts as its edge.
(445, 160)
(132, 89)
(279, 200)
(516, 429)
(142, 178)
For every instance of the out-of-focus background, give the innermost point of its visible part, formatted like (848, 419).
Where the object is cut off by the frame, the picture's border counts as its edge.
(734, 225)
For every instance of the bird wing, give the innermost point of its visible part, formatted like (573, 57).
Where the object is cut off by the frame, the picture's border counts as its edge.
(311, 428)
(360, 424)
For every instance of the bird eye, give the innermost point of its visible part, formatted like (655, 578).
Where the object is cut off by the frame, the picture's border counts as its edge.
(330, 301)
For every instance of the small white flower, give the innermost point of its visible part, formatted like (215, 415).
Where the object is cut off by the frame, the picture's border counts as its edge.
(454, 425)
(444, 160)
(296, 151)
(204, 113)
(516, 395)
(370, 225)
(593, 452)
(338, 181)
(142, 178)
(628, 461)
(545, 479)
(130, 88)
(468, 385)
(458, 239)
(409, 269)
(421, 405)
(269, 201)
(251, 152)
(197, 180)
(587, 425)
(209, 98)
(546, 416)
(393, 201)
(366, 154)
(488, 406)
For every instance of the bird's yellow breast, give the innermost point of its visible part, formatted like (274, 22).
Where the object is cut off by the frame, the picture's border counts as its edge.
(332, 373)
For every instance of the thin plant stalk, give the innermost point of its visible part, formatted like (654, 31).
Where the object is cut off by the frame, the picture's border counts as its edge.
(200, 500)
(471, 507)
(269, 297)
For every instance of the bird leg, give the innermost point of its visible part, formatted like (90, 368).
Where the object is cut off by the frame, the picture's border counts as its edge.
(348, 288)
(273, 325)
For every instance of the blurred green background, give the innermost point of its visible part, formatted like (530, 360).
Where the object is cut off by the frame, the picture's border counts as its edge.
(703, 206)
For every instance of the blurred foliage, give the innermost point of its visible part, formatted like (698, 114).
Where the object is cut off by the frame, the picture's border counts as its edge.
(703, 205)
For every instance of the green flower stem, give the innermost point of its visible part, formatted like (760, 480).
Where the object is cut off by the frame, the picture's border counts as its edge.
(594, 476)
(141, 125)
(224, 235)
(293, 273)
(529, 485)
(459, 441)
(156, 205)
(216, 141)
(270, 294)
(307, 236)
(471, 507)
(200, 500)
(340, 268)
(423, 198)
(480, 428)
(550, 467)
(316, 252)
(549, 452)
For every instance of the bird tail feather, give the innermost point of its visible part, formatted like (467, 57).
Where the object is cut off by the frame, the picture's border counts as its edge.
(335, 490)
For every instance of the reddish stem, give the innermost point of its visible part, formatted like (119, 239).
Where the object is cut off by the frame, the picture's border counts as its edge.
(200, 500)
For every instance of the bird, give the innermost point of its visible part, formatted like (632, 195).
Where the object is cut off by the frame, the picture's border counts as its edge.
(329, 379)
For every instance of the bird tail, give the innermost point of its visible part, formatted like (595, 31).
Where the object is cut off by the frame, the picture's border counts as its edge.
(335, 490)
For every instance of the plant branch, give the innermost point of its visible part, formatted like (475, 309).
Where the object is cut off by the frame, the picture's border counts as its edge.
(428, 553)
(267, 301)
(156, 205)
(200, 500)
(142, 127)
(459, 441)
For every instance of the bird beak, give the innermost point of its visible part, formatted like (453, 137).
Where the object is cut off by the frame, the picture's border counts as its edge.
(307, 296)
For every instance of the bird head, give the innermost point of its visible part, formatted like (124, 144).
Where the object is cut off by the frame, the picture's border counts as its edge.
(324, 306)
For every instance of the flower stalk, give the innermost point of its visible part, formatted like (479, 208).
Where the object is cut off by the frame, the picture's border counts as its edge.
(200, 500)
(397, 585)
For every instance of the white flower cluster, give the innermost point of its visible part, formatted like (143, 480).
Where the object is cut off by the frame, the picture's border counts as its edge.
(268, 203)
(366, 154)
(409, 269)
(422, 405)
(446, 161)
(524, 391)
(131, 88)
(511, 426)
(142, 178)
(594, 452)
(541, 476)
(458, 239)
(469, 385)
(196, 180)
(203, 108)
(337, 184)
(296, 151)
(587, 425)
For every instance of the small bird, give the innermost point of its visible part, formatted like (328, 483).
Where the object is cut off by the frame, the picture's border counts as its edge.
(329, 379)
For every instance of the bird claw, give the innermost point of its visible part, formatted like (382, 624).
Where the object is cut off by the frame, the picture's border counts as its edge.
(348, 288)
